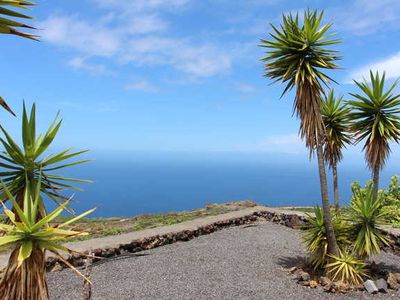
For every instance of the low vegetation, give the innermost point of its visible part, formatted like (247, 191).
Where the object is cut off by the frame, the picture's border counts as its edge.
(98, 227)
(358, 231)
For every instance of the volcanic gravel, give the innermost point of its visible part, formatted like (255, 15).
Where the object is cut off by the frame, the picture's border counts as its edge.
(244, 262)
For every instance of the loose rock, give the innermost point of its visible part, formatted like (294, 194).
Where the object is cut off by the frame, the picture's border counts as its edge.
(303, 276)
(324, 281)
(304, 283)
(341, 287)
(381, 285)
(370, 287)
(57, 268)
(392, 281)
(313, 284)
(397, 275)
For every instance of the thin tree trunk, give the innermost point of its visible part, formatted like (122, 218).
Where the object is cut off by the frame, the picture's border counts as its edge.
(27, 281)
(335, 186)
(376, 182)
(330, 233)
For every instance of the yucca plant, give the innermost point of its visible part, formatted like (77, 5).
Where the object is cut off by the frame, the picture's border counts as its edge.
(365, 216)
(347, 268)
(376, 119)
(316, 239)
(297, 55)
(8, 26)
(336, 119)
(22, 166)
(31, 236)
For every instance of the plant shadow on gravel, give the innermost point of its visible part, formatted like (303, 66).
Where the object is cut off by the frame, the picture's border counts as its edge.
(382, 268)
(288, 262)
(302, 263)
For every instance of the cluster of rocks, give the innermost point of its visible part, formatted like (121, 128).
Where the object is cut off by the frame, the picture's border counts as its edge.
(77, 260)
(294, 221)
(381, 285)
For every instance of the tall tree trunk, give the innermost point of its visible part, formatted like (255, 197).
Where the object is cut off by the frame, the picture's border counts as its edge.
(335, 186)
(330, 233)
(27, 281)
(376, 172)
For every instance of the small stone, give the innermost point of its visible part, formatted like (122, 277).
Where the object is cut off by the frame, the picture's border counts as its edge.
(292, 270)
(313, 284)
(304, 283)
(392, 281)
(324, 281)
(329, 288)
(341, 287)
(303, 276)
(397, 275)
(370, 286)
(359, 287)
(57, 268)
(381, 285)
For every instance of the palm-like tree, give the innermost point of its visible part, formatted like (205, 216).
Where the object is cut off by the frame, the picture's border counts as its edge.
(376, 119)
(336, 119)
(297, 55)
(22, 166)
(9, 26)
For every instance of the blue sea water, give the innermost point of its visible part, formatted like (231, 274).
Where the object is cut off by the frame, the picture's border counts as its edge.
(127, 184)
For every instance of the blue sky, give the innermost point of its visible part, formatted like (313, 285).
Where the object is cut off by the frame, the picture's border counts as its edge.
(165, 75)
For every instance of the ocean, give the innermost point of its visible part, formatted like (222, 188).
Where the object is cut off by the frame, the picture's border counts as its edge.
(132, 183)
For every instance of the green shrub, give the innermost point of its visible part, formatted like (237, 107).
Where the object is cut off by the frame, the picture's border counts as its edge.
(31, 237)
(315, 236)
(365, 216)
(347, 268)
(391, 202)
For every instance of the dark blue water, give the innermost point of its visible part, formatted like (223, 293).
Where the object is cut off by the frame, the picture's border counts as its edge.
(128, 184)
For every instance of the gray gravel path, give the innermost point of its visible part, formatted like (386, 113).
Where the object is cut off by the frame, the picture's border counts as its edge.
(235, 263)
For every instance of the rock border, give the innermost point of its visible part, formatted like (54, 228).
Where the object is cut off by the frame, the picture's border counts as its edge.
(291, 220)
(287, 218)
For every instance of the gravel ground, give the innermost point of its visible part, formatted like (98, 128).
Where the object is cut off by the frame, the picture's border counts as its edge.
(235, 263)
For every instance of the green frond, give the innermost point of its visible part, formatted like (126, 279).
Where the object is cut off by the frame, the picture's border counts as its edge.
(315, 237)
(27, 165)
(365, 217)
(376, 118)
(7, 25)
(298, 54)
(335, 115)
(347, 268)
(30, 232)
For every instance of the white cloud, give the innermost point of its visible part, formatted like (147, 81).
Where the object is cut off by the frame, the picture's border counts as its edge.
(141, 85)
(80, 63)
(197, 61)
(246, 88)
(88, 38)
(390, 65)
(145, 24)
(364, 17)
(140, 5)
(127, 40)
(288, 143)
(203, 61)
